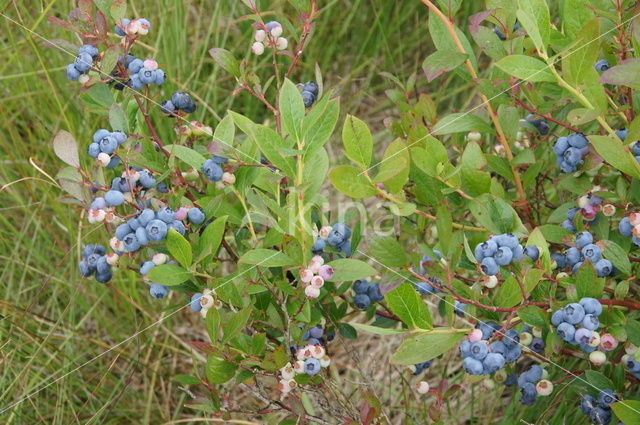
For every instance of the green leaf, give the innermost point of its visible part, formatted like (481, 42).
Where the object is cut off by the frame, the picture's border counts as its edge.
(110, 59)
(211, 237)
(598, 380)
(186, 379)
(187, 155)
(169, 274)
(118, 10)
(225, 131)
(319, 123)
(98, 97)
(633, 331)
(618, 256)
(377, 330)
(66, 148)
(394, 167)
(179, 248)
(226, 60)
(405, 303)
(427, 346)
(219, 371)
(234, 325)
(627, 411)
(388, 251)
(496, 215)
(266, 258)
(526, 68)
(350, 181)
(315, 171)
(272, 144)
(442, 61)
(461, 122)
(509, 293)
(625, 74)
(534, 17)
(291, 109)
(357, 140)
(118, 118)
(616, 153)
(577, 63)
(345, 269)
(533, 315)
(538, 238)
(212, 322)
(575, 16)
(587, 283)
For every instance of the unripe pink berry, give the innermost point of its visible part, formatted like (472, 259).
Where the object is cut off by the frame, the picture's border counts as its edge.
(325, 361)
(306, 275)
(287, 371)
(317, 259)
(326, 272)
(318, 351)
(116, 244)
(150, 64)
(203, 312)
(583, 201)
(634, 218)
(260, 35)
(312, 292)
(475, 335)
(589, 212)
(228, 178)
(97, 216)
(314, 267)
(608, 342)
(490, 281)
(84, 79)
(317, 282)
(181, 213)
(636, 231)
(133, 27)
(112, 258)
(608, 210)
(103, 159)
(206, 301)
(282, 43)
(324, 231)
(544, 387)
(422, 387)
(595, 339)
(257, 48)
(298, 366)
(598, 358)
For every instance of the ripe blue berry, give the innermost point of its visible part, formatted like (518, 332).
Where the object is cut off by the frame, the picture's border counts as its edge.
(158, 291)
(131, 242)
(473, 366)
(591, 306)
(122, 231)
(560, 259)
(592, 253)
(493, 362)
(89, 49)
(146, 216)
(602, 65)
(318, 246)
(308, 98)
(195, 215)
(311, 86)
(607, 397)
(625, 227)
(537, 345)
(166, 214)
(156, 230)
(178, 226)
(339, 233)
(566, 331)
(583, 336)
(573, 256)
(195, 302)
(574, 313)
(311, 366)
(100, 134)
(583, 239)
(141, 234)
(360, 286)
(485, 249)
(557, 317)
(373, 291)
(114, 198)
(604, 268)
(146, 267)
(362, 301)
(503, 256)
(104, 277)
(212, 170)
(83, 62)
(478, 350)
(532, 252)
(489, 266)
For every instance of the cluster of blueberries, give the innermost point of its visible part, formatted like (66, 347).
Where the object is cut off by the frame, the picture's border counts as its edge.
(337, 236)
(599, 411)
(501, 35)
(585, 250)
(527, 382)
(144, 72)
(82, 63)
(590, 205)
(577, 322)
(95, 260)
(180, 101)
(104, 144)
(309, 92)
(366, 293)
(501, 250)
(539, 124)
(481, 357)
(570, 150)
(269, 36)
(212, 169)
(152, 226)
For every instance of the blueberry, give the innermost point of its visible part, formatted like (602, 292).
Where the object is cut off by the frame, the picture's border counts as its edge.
(607, 397)
(537, 345)
(600, 415)
(529, 394)
(493, 362)
(464, 348)
(574, 313)
(114, 198)
(135, 82)
(511, 338)
(84, 269)
(311, 366)
(488, 329)
(167, 107)
(587, 348)
(158, 291)
(146, 75)
(507, 239)
(131, 242)
(604, 268)
(583, 336)
(572, 156)
(360, 286)
(560, 146)
(575, 267)
(119, 136)
(567, 167)
(181, 100)
(459, 308)
(104, 277)
(485, 249)
(424, 288)
(166, 214)
(83, 62)
(316, 332)
(472, 366)
(373, 291)
(518, 253)
(93, 150)
(592, 253)
(146, 216)
(195, 215)
(625, 227)
(162, 187)
(498, 347)
(156, 230)
(587, 403)
(583, 239)
(635, 148)
(178, 226)
(362, 301)
(633, 365)
(499, 33)
(511, 380)
(560, 259)
(339, 233)
(93, 249)
(308, 98)
(98, 203)
(318, 246)
(146, 267)
(122, 231)
(478, 350)
(577, 140)
(146, 180)
(591, 306)
(195, 302)
(159, 77)
(566, 331)
(602, 65)
(573, 256)
(89, 49)
(534, 374)
(135, 66)
(557, 317)
(100, 134)
(115, 161)
(118, 29)
(489, 266)
(212, 171)
(532, 252)
(311, 86)
(503, 256)
(345, 248)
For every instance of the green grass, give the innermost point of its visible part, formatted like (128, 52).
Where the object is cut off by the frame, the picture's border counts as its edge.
(52, 320)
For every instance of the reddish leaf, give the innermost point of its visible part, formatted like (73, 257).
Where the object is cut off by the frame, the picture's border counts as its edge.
(60, 23)
(476, 19)
(202, 346)
(101, 24)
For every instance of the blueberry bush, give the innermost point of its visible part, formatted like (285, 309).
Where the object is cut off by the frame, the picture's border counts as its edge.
(496, 235)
